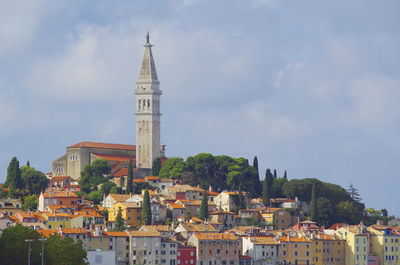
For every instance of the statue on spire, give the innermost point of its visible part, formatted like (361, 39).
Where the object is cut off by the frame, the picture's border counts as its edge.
(148, 38)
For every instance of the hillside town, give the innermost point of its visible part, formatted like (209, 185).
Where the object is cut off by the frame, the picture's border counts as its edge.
(178, 233)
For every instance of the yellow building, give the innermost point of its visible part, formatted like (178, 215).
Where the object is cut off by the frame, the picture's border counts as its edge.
(385, 244)
(357, 244)
(327, 249)
(297, 251)
(131, 212)
(56, 220)
(276, 218)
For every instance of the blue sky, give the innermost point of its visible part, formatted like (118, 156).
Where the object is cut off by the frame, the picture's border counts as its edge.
(311, 87)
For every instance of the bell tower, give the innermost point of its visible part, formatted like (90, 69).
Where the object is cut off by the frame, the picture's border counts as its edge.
(148, 114)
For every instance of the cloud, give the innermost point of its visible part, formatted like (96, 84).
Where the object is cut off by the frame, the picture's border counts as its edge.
(288, 68)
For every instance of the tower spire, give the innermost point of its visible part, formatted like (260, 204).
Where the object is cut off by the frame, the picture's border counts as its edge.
(148, 38)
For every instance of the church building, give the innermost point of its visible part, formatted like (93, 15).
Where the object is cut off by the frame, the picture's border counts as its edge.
(148, 146)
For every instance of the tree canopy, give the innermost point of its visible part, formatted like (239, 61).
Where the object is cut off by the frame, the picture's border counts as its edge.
(155, 170)
(13, 175)
(146, 208)
(94, 174)
(33, 181)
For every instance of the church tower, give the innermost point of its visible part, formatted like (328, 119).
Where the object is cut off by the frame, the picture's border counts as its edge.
(148, 114)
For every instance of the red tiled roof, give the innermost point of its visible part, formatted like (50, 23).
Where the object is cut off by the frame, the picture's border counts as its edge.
(64, 194)
(59, 178)
(104, 145)
(121, 173)
(139, 180)
(151, 178)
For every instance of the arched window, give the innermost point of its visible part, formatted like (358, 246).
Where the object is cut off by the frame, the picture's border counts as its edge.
(139, 104)
(73, 157)
(148, 103)
(59, 170)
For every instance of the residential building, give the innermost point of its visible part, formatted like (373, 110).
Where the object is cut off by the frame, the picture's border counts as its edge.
(186, 255)
(226, 219)
(276, 218)
(297, 251)
(385, 243)
(264, 250)
(111, 198)
(101, 257)
(357, 244)
(119, 243)
(10, 206)
(226, 202)
(144, 247)
(216, 248)
(168, 251)
(65, 198)
(131, 212)
(188, 229)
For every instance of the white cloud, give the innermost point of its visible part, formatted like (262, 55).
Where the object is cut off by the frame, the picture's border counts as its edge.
(286, 70)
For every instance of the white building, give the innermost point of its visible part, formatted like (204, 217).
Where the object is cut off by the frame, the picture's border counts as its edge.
(263, 250)
(100, 257)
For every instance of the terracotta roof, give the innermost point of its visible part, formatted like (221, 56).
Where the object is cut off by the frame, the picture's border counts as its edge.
(166, 180)
(46, 233)
(212, 193)
(264, 240)
(139, 180)
(112, 233)
(119, 197)
(221, 212)
(121, 173)
(74, 230)
(152, 178)
(144, 234)
(103, 145)
(198, 227)
(57, 178)
(158, 228)
(64, 194)
(176, 205)
(294, 239)
(272, 210)
(130, 204)
(216, 236)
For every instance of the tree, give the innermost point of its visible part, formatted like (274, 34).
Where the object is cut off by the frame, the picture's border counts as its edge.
(203, 215)
(30, 203)
(275, 174)
(256, 180)
(115, 190)
(146, 208)
(313, 210)
(348, 212)
(285, 176)
(93, 175)
(34, 181)
(129, 183)
(267, 187)
(155, 170)
(119, 221)
(13, 174)
(204, 167)
(189, 178)
(354, 193)
(96, 196)
(28, 164)
(63, 251)
(241, 199)
(107, 186)
(172, 168)
(325, 213)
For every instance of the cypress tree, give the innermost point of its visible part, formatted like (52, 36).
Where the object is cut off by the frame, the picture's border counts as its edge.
(155, 170)
(14, 174)
(28, 164)
(119, 221)
(241, 199)
(203, 215)
(267, 187)
(275, 175)
(256, 181)
(285, 175)
(129, 183)
(146, 209)
(313, 210)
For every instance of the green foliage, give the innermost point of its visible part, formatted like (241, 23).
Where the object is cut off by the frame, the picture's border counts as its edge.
(277, 187)
(146, 208)
(325, 212)
(203, 215)
(57, 250)
(30, 203)
(93, 175)
(13, 193)
(203, 166)
(189, 178)
(13, 174)
(314, 210)
(64, 251)
(33, 181)
(139, 186)
(115, 190)
(241, 204)
(155, 170)
(188, 215)
(129, 181)
(349, 212)
(96, 196)
(285, 176)
(302, 188)
(267, 187)
(172, 168)
(119, 221)
(104, 213)
(107, 186)
(275, 174)
(256, 177)
(354, 193)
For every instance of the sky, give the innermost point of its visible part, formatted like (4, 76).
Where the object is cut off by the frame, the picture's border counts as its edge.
(311, 87)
